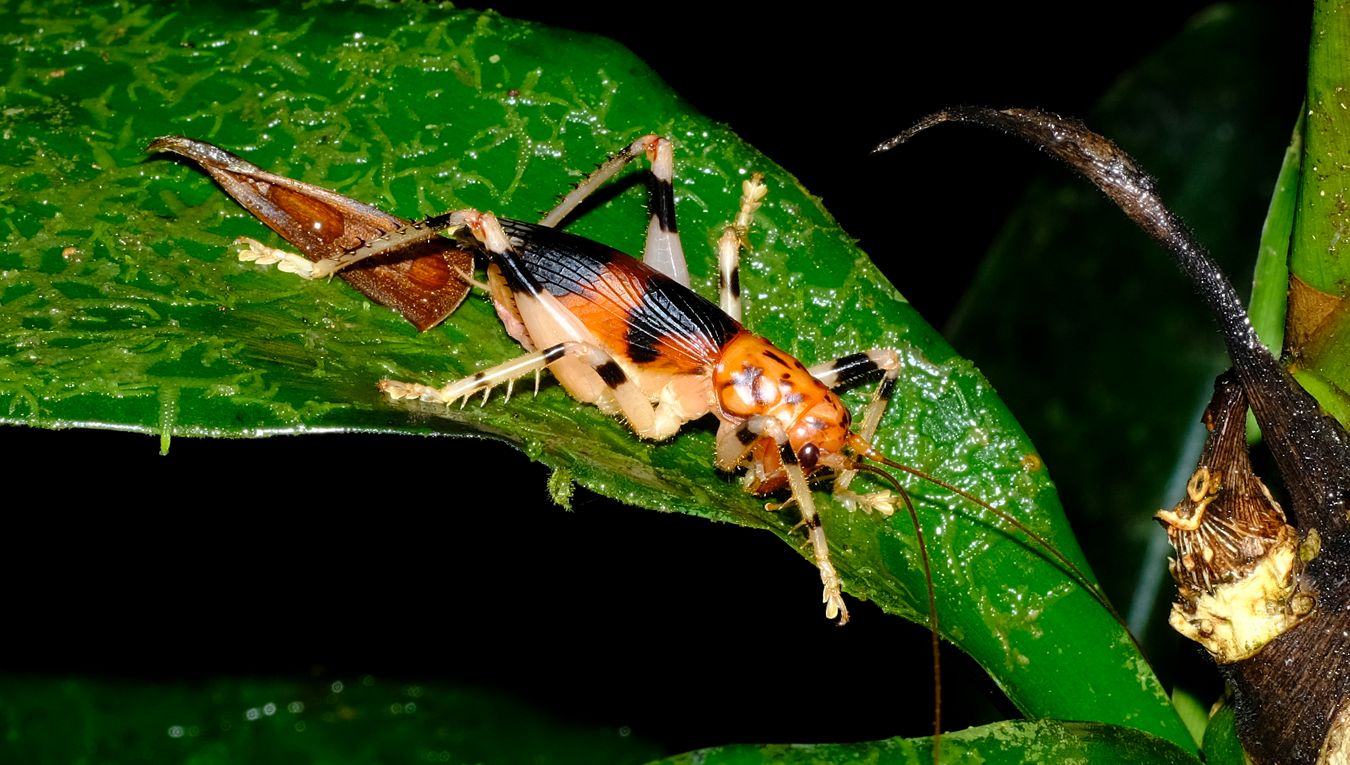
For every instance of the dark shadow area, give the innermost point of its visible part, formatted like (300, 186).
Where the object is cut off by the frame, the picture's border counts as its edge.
(438, 560)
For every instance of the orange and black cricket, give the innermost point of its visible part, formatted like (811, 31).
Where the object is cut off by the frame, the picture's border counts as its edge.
(632, 338)
(636, 341)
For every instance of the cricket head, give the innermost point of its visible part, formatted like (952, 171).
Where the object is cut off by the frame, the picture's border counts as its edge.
(775, 413)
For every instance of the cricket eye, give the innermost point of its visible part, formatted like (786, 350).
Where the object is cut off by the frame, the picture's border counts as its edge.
(808, 456)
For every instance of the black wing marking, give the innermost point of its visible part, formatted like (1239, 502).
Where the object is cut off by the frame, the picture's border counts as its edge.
(653, 314)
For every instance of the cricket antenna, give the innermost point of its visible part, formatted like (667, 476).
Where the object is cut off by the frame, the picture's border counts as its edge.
(932, 601)
(1041, 545)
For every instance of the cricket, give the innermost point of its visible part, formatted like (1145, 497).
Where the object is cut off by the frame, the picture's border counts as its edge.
(632, 338)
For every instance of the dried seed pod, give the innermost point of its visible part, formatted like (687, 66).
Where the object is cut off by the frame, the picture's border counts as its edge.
(1237, 561)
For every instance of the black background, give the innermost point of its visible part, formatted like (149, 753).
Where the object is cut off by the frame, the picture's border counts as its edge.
(345, 555)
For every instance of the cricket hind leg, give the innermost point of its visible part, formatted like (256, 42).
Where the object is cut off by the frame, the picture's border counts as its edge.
(663, 250)
(252, 251)
(396, 240)
(657, 149)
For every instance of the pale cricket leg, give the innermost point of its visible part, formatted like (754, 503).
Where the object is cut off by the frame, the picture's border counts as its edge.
(846, 369)
(834, 373)
(734, 443)
(733, 239)
(663, 250)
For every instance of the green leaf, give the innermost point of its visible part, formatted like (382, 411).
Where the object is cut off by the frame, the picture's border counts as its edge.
(359, 719)
(1270, 283)
(1319, 257)
(1221, 745)
(123, 306)
(1009, 742)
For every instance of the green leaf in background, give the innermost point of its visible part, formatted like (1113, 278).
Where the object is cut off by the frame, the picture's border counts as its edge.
(1270, 282)
(123, 306)
(359, 719)
(366, 719)
(1221, 744)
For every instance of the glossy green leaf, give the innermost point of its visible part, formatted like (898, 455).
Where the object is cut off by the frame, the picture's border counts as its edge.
(1009, 742)
(1270, 282)
(125, 308)
(356, 719)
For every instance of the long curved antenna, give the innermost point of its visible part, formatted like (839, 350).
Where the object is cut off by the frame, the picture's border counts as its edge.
(1077, 574)
(932, 602)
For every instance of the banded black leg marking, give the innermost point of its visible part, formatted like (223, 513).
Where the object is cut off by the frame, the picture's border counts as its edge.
(612, 374)
(855, 366)
(663, 250)
(729, 273)
(848, 369)
(887, 359)
(663, 205)
(734, 237)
